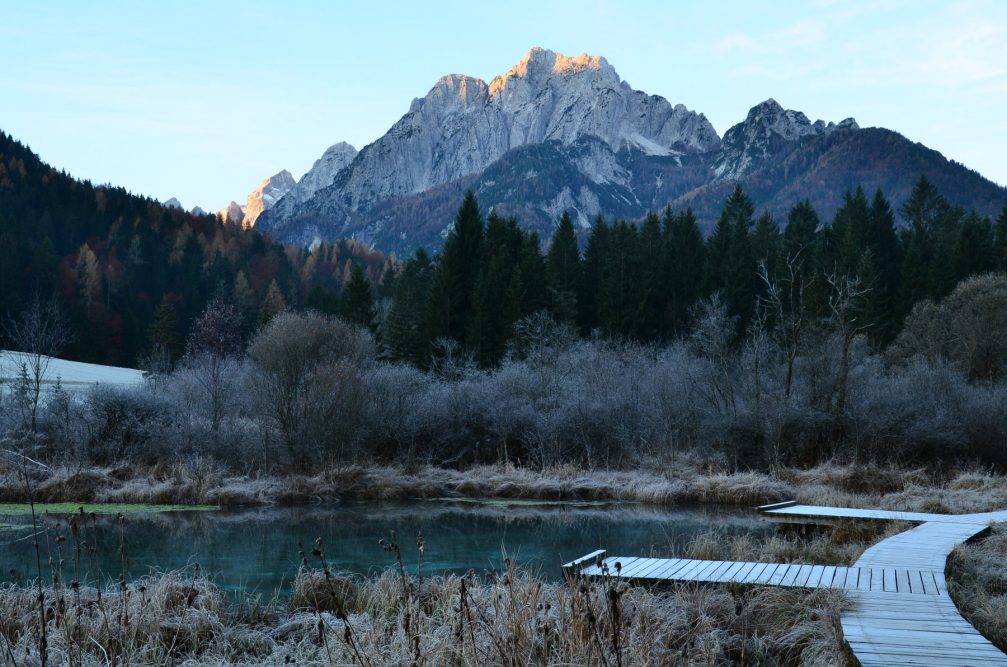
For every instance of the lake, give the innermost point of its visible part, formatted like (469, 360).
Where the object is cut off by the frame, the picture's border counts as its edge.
(257, 550)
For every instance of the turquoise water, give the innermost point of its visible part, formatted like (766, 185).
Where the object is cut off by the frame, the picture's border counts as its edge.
(257, 550)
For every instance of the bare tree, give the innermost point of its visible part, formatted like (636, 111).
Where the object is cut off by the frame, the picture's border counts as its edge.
(845, 301)
(212, 350)
(308, 369)
(786, 299)
(38, 335)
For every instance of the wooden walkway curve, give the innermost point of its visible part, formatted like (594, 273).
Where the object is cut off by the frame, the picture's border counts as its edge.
(902, 613)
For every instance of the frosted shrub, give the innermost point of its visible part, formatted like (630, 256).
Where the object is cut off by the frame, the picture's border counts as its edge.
(307, 378)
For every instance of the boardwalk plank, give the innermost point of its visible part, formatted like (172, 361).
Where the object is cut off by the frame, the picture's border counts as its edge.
(901, 612)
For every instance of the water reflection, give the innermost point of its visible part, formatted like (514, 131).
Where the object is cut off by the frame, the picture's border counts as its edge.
(257, 549)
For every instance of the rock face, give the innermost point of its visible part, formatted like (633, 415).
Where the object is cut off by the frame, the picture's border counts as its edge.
(323, 172)
(196, 210)
(264, 197)
(172, 203)
(232, 214)
(767, 131)
(463, 125)
(556, 134)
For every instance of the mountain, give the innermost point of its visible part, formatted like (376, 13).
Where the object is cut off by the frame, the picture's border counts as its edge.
(132, 274)
(173, 203)
(232, 214)
(264, 197)
(556, 133)
(768, 131)
(578, 106)
(321, 175)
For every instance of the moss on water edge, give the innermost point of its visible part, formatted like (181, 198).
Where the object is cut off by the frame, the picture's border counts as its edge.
(24, 509)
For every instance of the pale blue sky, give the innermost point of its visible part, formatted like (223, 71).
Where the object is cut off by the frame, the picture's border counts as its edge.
(202, 100)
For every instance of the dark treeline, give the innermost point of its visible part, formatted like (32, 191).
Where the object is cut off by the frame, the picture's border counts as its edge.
(856, 340)
(642, 282)
(132, 276)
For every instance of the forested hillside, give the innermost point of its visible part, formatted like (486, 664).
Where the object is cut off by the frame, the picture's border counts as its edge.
(132, 275)
(644, 282)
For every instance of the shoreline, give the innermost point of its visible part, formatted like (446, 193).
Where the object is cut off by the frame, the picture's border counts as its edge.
(826, 484)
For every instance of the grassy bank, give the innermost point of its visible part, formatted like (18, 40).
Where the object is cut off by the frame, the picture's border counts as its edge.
(511, 619)
(977, 581)
(827, 484)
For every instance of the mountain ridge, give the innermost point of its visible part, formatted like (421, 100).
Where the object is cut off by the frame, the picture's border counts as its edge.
(558, 133)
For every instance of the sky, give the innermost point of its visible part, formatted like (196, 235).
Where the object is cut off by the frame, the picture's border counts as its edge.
(203, 100)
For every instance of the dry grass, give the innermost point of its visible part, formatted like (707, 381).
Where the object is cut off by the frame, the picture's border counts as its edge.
(512, 619)
(977, 581)
(826, 484)
(839, 544)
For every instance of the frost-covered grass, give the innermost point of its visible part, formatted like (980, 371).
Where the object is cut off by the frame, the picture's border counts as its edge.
(24, 509)
(977, 581)
(836, 484)
(509, 619)
(840, 544)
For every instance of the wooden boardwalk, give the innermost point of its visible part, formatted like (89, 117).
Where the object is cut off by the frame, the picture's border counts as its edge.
(902, 614)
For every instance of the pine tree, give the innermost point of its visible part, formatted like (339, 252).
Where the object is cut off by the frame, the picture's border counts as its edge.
(402, 331)
(767, 242)
(593, 276)
(801, 232)
(652, 289)
(617, 302)
(357, 304)
(494, 311)
(973, 251)
(732, 266)
(686, 268)
(882, 239)
(449, 305)
(1000, 235)
(850, 231)
(920, 211)
(564, 271)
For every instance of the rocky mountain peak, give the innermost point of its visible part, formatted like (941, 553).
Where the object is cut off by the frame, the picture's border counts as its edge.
(264, 197)
(463, 125)
(540, 64)
(172, 203)
(232, 214)
(456, 91)
(766, 130)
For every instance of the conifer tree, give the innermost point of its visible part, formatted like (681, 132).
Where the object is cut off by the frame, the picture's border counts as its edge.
(1000, 240)
(652, 288)
(850, 231)
(686, 267)
(494, 311)
(882, 240)
(732, 265)
(564, 271)
(973, 249)
(593, 276)
(801, 232)
(449, 305)
(402, 331)
(920, 212)
(357, 304)
(767, 242)
(617, 301)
